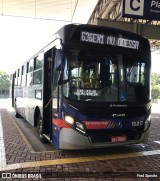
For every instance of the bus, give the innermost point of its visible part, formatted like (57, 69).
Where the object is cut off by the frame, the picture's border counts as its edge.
(88, 87)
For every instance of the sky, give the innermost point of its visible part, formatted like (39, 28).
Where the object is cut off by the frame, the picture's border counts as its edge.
(155, 67)
(20, 38)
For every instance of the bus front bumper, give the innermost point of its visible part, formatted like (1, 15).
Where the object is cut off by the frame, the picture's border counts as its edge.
(71, 139)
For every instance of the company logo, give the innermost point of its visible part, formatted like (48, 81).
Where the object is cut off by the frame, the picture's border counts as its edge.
(134, 7)
(114, 124)
(6, 175)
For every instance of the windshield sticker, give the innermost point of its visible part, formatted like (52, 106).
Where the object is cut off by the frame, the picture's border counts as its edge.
(122, 97)
(82, 92)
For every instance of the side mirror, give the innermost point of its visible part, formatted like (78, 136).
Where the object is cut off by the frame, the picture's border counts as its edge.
(60, 78)
(58, 60)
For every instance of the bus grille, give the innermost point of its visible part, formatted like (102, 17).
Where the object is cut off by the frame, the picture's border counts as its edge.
(107, 138)
(105, 112)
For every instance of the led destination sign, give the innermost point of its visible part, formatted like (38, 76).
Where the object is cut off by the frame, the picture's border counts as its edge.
(109, 40)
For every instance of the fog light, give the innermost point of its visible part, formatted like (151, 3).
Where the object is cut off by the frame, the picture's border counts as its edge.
(147, 123)
(80, 127)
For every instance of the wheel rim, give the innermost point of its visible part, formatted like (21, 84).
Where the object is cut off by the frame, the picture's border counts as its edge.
(40, 128)
(15, 108)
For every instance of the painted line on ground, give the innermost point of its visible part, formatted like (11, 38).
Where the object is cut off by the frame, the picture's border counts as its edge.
(25, 139)
(155, 116)
(78, 160)
(21, 133)
(158, 142)
(2, 147)
(4, 167)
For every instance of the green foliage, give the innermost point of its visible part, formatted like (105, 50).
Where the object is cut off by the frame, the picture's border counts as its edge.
(4, 80)
(155, 86)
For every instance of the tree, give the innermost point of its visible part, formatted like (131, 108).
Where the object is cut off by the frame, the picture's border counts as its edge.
(155, 86)
(4, 82)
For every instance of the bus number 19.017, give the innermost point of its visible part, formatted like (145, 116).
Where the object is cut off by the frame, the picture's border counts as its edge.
(137, 123)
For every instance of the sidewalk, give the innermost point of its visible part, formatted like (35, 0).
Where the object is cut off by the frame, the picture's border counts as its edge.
(86, 165)
(155, 107)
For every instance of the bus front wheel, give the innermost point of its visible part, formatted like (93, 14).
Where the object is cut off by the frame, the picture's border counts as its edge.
(17, 115)
(40, 132)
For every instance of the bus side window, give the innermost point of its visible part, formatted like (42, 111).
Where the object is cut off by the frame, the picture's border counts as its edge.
(37, 74)
(15, 78)
(24, 75)
(55, 91)
(29, 73)
(55, 84)
(18, 78)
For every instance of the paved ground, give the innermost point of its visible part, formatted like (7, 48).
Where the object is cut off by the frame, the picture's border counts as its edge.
(18, 161)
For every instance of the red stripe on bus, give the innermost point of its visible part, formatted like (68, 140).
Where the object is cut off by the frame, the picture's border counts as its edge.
(96, 124)
(60, 123)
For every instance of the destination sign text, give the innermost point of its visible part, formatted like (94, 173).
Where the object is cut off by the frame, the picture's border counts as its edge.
(109, 40)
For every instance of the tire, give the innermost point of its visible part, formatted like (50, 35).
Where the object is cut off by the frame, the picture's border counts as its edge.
(17, 115)
(40, 128)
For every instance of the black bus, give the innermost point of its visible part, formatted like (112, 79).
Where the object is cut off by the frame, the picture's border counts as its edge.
(89, 87)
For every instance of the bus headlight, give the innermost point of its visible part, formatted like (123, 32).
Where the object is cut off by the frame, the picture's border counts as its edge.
(74, 124)
(69, 119)
(147, 123)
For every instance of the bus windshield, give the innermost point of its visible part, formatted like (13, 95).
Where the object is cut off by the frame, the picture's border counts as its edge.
(104, 77)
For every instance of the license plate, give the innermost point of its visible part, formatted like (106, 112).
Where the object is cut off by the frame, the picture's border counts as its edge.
(115, 139)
